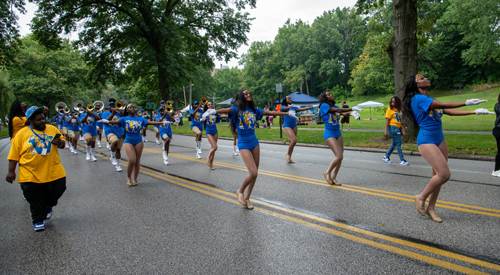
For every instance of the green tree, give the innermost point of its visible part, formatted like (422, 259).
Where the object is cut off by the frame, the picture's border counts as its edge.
(171, 36)
(6, 93)
(9, 33)
(228, 82)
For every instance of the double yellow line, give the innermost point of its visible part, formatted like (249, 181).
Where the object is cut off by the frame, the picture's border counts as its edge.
(295, 217)
(359, 189)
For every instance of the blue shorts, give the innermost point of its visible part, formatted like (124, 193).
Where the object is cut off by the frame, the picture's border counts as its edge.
(285, 125)
(212, 132)
(331, 134)
(133, 139)
(430, 137)
(248, 143)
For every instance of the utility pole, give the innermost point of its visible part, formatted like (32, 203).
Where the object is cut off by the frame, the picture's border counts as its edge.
(184, 91)
(190, 93)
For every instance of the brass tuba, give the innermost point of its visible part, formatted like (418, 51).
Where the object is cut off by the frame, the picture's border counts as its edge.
(60, 106)
(66, 110)
(99, 105)
(77, 105)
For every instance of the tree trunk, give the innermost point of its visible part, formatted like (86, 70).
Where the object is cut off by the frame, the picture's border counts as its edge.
(301, 84)
(307, 85)
(403, 50)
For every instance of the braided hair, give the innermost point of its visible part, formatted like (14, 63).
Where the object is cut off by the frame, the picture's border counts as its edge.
(411, 89)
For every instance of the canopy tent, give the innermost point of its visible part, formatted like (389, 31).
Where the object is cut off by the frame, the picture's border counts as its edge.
(370, 104)
(299, 98)
(226, 102)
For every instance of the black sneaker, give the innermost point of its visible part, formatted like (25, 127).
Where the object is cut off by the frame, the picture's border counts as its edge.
(40, 226)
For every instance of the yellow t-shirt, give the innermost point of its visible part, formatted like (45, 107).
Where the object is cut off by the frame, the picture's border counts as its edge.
(394, 116)
(26, 148)
(17, 124)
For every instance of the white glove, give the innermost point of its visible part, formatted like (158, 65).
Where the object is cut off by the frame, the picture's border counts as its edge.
(316, 106)
(483, 111)
(207, 113)
(290, 105)
(167, 122)
(357, 109)
(293, 114)
(474, 101)
(105, 121)
(355, 114)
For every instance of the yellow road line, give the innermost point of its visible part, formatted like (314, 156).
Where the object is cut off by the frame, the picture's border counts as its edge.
(459, 268)
(380, 193)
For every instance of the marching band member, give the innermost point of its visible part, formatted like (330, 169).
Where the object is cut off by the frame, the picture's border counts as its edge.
(197, 125)
(73, 132)
(426, 112)
(133, 141)
(64, 130)
(99, 128)
(211, 132)
(114, 134)
(330, 113)
(290, 125)
(89, 130)
(165, 132)
(244, 115)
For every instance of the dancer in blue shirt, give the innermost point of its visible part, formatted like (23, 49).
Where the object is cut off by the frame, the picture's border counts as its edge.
(133, 140)
(114, 135)
(290, 124)
(244, 115)
(211, 121)
(197, 125)
(426, 112)
(165, 131)
(330, 114)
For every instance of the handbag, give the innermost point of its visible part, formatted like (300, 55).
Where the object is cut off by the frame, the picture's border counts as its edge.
(404, 131)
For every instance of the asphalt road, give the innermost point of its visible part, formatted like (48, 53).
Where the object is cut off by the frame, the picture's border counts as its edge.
(185, 219)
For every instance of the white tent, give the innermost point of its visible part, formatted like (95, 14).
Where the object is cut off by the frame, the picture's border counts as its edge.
(370, 104)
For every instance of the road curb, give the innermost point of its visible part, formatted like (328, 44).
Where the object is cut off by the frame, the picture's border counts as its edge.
(367, 149)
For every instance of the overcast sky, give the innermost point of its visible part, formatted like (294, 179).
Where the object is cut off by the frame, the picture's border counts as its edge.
(269, 16)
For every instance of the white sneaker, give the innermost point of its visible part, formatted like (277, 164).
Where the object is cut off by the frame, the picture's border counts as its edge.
(165, 162)
(88, 156)
(75, 152)
(93, 158)
(198, 156)
(199, 150)
(158, 142)
(386, 159)
(404, 162)
(145, 140)
(118, 168)
(99, 144)
(108, 147)
(165, 157)
(496, 173)
(235, 154)
(113, 160)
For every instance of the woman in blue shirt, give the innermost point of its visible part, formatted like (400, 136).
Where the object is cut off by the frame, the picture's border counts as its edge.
(244, 115)
(330, 114)
(290, 124)
(426, 112)
(211, 121)
(133, 140)
(197, 125)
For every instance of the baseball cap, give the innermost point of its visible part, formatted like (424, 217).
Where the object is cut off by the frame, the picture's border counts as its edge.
(142, 110)
(33, 110)
(196, 102)
(161, 108)
(112, 102)
(163, 101)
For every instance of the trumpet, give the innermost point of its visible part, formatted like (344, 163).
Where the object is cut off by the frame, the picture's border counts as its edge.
(99, 105)
(168, 109)
(204, 101)
(60, 106)
(77, 105)
(170, 102)
(90, 107)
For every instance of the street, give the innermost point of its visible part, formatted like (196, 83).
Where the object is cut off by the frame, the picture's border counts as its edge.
(185, 218)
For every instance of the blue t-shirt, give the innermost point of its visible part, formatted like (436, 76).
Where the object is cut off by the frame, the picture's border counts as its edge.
(288, 120)
(331, 120)
(165, 129)
(429, 120)
(57, 118)
(98, 124)
(246, 120)
(63, 121)
(112, 128)
(196, 119)
(158, 118)
(133, 125)
(212, 121)
(88, 126)
(73, 123)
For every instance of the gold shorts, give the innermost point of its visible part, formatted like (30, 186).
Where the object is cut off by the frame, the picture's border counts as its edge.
(87, 136)
(112, 138)
(64, 130)
(99, 130)
(157, 130)
(166, 138)
(73, 134)
(196, 130)
(58, 127)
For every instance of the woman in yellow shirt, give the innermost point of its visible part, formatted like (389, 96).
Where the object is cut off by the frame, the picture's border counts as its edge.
(17, 117)
(393, 121)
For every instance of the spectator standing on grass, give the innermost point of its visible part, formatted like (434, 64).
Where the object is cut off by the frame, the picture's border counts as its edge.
(496, 134)
(345, 118)
(267, 117)
(393, 123)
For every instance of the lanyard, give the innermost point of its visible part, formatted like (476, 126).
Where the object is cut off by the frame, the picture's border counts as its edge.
(41, 138)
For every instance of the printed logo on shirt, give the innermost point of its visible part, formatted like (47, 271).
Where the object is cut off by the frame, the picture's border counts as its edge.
(90, 121)
(133, 126)
(436, 114)
(334, 118)
(163, 126)
(397, 117)
(212, 119)
(37, 145)
(248, 118)
(73, 122)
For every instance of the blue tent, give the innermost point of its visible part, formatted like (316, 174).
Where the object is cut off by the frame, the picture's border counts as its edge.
(300, 98)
